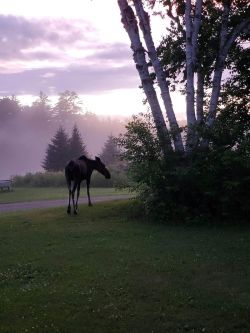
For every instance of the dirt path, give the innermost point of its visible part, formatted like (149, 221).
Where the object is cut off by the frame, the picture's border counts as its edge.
(17, 206)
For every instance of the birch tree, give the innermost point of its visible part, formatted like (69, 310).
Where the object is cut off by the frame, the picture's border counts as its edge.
(131, 25)
(160, 75)
(204, 62)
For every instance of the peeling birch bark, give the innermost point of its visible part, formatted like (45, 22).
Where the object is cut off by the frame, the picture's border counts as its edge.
(196, 29)
(200, 97)
(190, 111)
(130, 24)
(144, 21)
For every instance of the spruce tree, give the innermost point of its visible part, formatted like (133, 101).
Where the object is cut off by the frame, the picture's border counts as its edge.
(110, 151)
(57, 153)
(76, 145)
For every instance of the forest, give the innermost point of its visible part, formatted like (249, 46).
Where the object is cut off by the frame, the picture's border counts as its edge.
(26, 131)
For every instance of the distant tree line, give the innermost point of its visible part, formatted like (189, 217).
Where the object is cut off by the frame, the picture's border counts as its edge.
(68, 104)
(36, 124)
(62, 148)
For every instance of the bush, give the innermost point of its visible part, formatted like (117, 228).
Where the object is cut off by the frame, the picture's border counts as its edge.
(212, 184)
(57, 179)
(40, 179)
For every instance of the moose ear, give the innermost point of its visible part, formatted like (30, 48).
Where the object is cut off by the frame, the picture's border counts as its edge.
(97, 159)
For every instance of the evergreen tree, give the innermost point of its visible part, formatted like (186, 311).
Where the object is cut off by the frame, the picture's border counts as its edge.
(76, 145)
(41, 108)
(57, 153)
(110, 152)
(9, 109)
(68, 104)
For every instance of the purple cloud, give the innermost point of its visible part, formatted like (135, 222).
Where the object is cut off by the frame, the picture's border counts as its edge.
(82, 79)
(117, 51)
(102, 67)
(18, 34)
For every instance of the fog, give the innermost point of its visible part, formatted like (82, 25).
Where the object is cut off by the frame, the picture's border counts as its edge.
(25, 133)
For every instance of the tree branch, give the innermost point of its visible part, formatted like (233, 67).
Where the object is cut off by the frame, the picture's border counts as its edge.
(160, 74)
(245, 24)
(196, 29)
(131, 26)
(225, 44)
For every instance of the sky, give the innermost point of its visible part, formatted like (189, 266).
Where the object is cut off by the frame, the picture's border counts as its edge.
(77, 45)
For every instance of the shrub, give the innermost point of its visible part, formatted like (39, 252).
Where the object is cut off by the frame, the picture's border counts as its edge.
(40, 179)
(57, 179)
(212, 184)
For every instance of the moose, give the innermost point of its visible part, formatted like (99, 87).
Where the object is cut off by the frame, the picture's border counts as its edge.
(78, 170)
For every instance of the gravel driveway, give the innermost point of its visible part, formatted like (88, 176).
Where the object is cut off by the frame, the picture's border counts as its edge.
(17, 206)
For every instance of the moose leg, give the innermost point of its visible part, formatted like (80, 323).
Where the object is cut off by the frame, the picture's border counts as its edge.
(73, 197)
(69, 206)
(78, 193)
(88, 183)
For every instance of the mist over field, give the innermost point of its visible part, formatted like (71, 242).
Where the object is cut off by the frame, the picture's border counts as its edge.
(25, 135)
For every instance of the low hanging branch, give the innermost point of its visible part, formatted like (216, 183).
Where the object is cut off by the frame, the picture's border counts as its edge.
(130, 24)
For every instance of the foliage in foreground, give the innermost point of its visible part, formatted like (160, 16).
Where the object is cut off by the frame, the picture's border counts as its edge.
(212, 183)
(104, 271)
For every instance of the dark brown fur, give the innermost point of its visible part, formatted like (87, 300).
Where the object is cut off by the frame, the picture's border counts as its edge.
(78, 170)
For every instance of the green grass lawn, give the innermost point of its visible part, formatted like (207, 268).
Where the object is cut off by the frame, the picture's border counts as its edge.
(49, 193)
(106, 270)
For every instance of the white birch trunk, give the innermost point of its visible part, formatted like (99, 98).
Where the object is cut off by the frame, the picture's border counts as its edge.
(190, 111)
(196, 29)
(200, 77)
(160, 75)
(200, 97)
(225, 44)
(130, 24)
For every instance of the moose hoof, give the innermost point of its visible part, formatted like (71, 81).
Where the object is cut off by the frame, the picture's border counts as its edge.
(68, 210)
(75, 212)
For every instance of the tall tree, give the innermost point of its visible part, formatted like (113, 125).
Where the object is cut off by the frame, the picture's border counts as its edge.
(68, 104)
(130, 24)
(57, 153)
(110, 153)
(160, 75)
(204, 33)
(76, 145)
(42, 104)
(40, 110)
(9, 109)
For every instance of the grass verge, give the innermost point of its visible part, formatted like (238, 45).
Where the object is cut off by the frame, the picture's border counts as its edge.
(21, 194)
(106, 270)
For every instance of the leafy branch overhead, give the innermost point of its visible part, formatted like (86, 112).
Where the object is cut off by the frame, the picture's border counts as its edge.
(195, 57)
(203, 172)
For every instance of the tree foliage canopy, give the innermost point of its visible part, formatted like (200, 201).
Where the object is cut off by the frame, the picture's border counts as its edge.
(196, 55)
(204, 56)
(110, 153)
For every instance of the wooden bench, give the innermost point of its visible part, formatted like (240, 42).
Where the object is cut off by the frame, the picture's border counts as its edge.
(6, 185)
